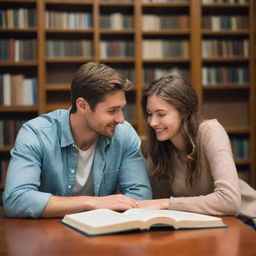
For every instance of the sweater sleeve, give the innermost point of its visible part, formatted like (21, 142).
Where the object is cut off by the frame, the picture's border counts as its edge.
(226, 197)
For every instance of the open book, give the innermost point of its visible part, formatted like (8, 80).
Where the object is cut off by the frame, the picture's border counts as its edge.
(104, 221)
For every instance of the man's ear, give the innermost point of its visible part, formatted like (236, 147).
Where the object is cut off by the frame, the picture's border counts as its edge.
(82, 105)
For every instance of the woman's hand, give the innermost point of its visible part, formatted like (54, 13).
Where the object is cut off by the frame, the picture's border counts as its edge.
(156, 204)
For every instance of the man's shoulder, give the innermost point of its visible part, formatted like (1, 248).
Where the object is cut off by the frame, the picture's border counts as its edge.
(49, 129)
(48, 120)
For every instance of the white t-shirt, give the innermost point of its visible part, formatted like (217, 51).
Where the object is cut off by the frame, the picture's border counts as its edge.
(84, 178)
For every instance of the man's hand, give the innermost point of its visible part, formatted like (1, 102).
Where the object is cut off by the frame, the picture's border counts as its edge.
(116, 202)
(59, 206)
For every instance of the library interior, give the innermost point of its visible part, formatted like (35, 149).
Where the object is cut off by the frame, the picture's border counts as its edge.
(210, 42)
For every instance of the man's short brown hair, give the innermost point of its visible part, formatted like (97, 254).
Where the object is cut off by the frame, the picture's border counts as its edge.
(93, 81)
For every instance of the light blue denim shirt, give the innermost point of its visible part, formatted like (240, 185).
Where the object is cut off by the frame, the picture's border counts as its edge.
(44, 163)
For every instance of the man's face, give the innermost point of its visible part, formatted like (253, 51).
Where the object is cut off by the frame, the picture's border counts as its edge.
(107, 114)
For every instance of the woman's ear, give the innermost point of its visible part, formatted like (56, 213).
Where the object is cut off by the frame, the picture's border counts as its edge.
(81, 105)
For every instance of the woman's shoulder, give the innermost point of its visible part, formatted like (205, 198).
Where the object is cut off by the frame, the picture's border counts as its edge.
(210, 125)
(211, 128)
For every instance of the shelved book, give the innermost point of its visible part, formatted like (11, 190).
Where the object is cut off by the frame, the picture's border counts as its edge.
(105, 221)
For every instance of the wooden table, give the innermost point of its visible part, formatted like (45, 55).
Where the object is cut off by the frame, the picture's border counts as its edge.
(50, 237)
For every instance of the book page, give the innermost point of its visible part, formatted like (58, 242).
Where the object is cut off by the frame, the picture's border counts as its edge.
(143, 214)
(102, 221)
(101, 217)
(147, 214)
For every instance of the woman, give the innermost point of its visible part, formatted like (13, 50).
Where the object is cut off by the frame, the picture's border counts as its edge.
(190, 161)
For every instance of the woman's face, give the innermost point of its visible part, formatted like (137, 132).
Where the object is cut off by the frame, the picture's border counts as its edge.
(164, 118)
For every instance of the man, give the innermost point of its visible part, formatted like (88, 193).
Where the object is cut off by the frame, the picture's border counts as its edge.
(73, 160)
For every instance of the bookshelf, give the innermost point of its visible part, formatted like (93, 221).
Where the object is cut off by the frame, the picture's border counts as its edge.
(211, 42)
(227, 76)
(19, 65)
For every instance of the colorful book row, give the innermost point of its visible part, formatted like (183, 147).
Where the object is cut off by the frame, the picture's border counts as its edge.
(156, 22)
(155, 48)
(117, 48)
(116, 21)
(225, 22)
(225, 1)
(18, 18)
(68, 20)
(69, 48)
(18, 50)
(225, 48)
(224, 75)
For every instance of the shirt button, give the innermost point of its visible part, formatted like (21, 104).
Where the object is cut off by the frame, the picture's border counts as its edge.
(72, 171)
(69, 186)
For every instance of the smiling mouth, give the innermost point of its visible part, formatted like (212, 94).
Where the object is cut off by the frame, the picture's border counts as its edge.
(159, 130)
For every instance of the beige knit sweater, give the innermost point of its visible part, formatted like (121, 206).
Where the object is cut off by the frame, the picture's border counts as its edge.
(218, 190)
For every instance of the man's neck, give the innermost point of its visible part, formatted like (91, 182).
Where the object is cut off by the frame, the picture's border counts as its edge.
(85, 146)
(83, 138)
